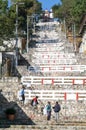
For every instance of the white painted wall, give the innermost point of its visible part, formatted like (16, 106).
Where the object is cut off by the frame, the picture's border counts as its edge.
(11, 44)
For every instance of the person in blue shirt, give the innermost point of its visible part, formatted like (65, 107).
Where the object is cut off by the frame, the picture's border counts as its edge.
(57, 108)
(22, 94)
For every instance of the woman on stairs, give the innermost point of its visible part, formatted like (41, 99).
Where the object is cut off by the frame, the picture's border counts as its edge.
(48, 108)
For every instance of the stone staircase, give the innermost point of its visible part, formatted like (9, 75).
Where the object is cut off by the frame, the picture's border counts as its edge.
(25, 125)
(27, 118)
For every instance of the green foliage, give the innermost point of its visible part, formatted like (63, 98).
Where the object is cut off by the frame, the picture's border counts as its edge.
(3, 6)
(6, 24)
(10, 111)
(55, 9)
(8, 16)
(29, 7)
(71, 10)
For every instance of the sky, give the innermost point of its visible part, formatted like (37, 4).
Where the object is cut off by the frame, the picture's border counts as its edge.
(46, 4)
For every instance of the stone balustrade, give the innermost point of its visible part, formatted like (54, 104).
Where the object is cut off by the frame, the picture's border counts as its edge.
(68, 80)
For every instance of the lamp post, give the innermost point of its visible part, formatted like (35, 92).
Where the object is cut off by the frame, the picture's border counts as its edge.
(0, 64)
(34, 22)
(27, 33)
(28, 37)
(16, 55)
(16, 46)
(74, 36)
(65, 28)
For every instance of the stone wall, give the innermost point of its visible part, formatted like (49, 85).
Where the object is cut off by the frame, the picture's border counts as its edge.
(70, 110)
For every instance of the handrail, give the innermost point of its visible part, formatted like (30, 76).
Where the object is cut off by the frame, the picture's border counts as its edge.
(58, 68)
(56, 61)
(46, 56)
(68, 80)
(49, 49)
(53, 53)
(9, 79)
(64, 95)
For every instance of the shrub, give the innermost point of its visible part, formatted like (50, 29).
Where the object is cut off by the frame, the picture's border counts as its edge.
(10, 111)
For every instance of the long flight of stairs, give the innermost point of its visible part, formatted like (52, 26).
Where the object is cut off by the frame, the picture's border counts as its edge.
(52, 54)
(48, 54)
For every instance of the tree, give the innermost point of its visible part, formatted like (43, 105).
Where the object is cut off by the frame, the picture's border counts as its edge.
(71, 10)
(5, 23)
(29, 8)
(55, 9)
(8, 17)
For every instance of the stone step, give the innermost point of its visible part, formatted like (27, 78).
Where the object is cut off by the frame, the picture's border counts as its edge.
(48, 126)
(40, 121)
